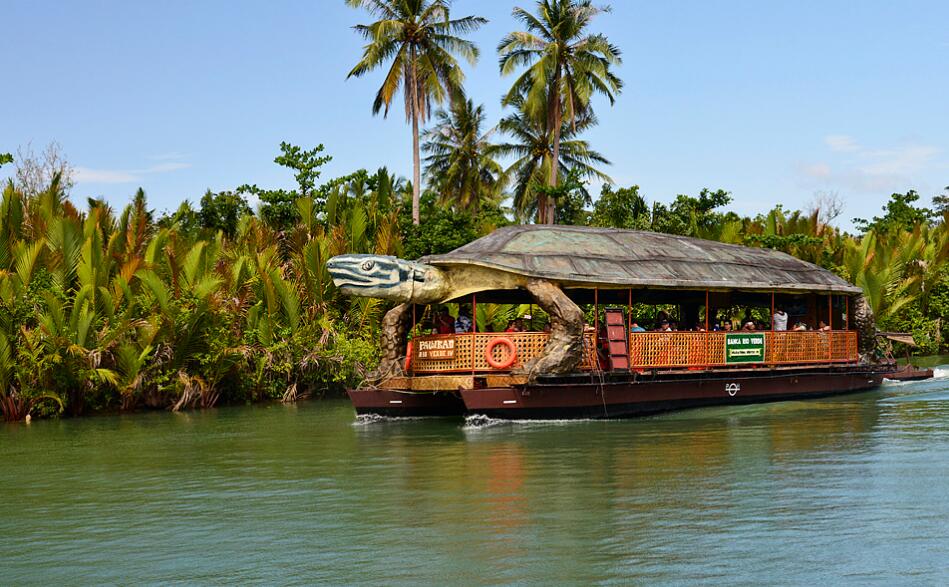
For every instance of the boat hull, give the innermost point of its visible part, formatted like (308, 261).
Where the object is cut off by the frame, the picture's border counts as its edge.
(910, 373)
(636, 396)
(406, 404)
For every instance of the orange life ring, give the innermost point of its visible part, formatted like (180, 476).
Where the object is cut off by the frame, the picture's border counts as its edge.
(408, 357)
(512, 356)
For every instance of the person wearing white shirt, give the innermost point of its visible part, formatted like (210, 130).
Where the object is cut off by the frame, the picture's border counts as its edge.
(780, 319)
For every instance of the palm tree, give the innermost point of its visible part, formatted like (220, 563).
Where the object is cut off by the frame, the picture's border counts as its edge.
(533, 149)
(460, 166)
(417, 38)
(565, 67)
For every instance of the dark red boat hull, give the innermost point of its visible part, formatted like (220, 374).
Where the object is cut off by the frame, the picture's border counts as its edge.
(383, 402)
(565, 399)
(910, 373)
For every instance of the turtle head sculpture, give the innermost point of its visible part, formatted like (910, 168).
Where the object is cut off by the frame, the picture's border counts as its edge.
(391, 278)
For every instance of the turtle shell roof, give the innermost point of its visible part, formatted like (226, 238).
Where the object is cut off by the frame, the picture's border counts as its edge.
(574, 256)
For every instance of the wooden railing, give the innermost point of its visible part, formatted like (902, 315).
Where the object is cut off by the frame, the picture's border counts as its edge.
(647, 350)
(466, 346)
(708, 349)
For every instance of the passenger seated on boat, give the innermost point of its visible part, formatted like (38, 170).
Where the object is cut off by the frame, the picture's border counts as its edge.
(664, 326)
(748, 326)
(823, 326)
(463, 322)
(727, 326)
(444, 323)
(780, 319)
(799, 327)
(516, 325)
(635, 327)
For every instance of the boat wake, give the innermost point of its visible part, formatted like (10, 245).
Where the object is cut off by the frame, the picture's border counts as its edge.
(370, 419)
(481, 422)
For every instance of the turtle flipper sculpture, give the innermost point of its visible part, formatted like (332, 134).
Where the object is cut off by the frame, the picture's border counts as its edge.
(412, 282)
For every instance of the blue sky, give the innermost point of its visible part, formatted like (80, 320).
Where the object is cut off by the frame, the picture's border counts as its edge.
(770, 102)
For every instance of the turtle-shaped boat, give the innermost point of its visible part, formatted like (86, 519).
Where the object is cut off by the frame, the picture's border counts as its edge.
(556, 266)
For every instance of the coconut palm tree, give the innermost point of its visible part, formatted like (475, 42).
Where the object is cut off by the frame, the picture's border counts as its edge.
(418, 41)
(533, 149)
(565, 64)
(460, 165)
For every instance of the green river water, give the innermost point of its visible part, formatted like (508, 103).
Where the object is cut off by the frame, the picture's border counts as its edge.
(847, 490)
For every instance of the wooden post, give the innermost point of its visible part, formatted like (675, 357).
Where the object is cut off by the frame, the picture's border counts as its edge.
(847, 313)
(830, 311)
(596, 326)
(629, 325)
(707, 361)
(830, 324)
(629, 309)
(412, 370)
(772, 311)
(474, 332)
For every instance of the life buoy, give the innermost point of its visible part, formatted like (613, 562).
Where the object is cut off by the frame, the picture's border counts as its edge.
(408, 357)
(511, 356)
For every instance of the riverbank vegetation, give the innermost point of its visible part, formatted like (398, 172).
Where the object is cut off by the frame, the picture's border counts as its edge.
(227, 299)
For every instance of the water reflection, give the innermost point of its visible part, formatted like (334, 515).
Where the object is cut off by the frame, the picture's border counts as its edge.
(839, 489)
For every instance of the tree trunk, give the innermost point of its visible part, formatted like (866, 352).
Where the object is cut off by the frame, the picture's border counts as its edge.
(564, 349)
(416, 162)
(395, 328)
(555, 157)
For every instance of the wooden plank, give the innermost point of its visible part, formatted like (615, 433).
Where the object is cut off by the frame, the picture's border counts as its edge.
(504, 380)
(442, 383)
(396, 383)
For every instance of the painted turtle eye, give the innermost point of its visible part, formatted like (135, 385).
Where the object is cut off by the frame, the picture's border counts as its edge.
(368, 264)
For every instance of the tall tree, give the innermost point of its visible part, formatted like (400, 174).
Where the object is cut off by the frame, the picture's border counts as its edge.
(565, 64)
(418, 41)
(532, 147)
(460, 165)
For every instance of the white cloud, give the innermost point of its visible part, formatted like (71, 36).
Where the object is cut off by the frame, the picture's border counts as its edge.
(903, 160)
(842, 143)
(89, 175)
(858, 169)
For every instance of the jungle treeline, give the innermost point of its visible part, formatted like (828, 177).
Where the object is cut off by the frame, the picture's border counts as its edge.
(106, 310)
(227, 299)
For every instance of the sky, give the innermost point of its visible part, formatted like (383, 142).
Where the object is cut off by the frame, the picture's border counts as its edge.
(773, 102)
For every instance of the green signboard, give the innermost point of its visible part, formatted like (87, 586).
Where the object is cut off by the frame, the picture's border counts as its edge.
(742, 347)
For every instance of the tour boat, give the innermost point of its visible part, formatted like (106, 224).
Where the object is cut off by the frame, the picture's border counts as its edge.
(608, 370)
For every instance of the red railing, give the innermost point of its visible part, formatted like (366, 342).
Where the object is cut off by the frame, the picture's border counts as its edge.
(708, 349)
(647, 350)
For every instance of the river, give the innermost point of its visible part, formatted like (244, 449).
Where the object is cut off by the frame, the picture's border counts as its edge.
(847, 490)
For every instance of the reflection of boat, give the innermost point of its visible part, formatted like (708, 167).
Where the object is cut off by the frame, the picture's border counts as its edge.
(909, 372)
(612, 370)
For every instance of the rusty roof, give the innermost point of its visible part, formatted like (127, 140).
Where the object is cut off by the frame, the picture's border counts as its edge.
(608, 257)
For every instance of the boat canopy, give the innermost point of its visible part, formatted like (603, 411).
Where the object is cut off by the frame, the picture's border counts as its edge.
(586, 257)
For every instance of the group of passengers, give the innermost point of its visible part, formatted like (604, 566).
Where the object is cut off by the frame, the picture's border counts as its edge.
(779, 322)
(444, 323)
